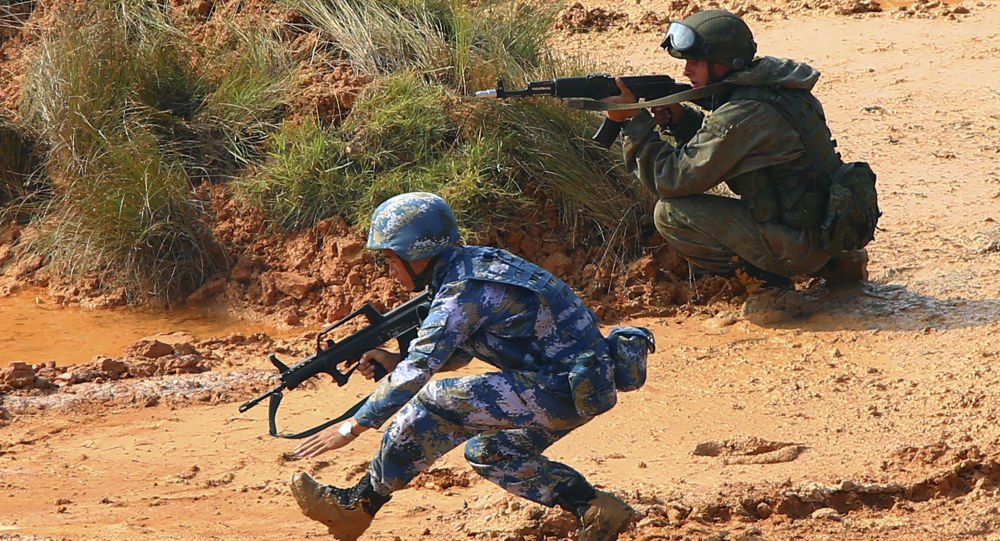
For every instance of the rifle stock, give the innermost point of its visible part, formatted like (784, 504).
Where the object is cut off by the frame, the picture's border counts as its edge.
(400, 323)
(595, 87)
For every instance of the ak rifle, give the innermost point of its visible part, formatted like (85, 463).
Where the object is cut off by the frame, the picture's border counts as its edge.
(593, 87)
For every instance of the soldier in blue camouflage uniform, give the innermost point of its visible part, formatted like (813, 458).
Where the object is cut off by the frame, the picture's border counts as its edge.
(555, 373)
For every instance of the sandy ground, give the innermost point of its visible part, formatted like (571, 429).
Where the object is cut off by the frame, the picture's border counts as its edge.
(870, 413)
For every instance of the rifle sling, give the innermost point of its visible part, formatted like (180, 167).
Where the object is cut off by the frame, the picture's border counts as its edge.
(272, 410)
(687, 95)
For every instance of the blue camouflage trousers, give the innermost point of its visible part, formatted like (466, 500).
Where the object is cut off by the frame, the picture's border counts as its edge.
(508, 419)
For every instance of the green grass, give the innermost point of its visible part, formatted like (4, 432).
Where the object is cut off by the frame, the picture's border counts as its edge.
(129, 118)
(249, 80)
(306, 176)
(129, 112)
(399, 121)
(446, 41)
(416, 127)
(132, 222)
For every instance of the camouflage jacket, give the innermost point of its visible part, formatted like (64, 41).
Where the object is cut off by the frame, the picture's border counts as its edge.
(499, 308)
(738, 137)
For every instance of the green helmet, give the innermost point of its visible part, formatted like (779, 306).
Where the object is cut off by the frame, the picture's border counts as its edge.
(716, 35)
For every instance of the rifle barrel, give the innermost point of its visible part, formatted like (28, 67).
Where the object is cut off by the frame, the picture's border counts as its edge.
(251, 403)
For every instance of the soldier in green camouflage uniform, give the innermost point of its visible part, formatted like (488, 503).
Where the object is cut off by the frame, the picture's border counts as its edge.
(555, 372)
(766, 139)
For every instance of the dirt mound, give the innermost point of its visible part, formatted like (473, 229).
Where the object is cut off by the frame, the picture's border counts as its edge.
(598, 16)
(317, 276)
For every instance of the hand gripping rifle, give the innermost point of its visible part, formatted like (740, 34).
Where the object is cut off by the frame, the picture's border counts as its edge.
(652, 90)
(400, 323)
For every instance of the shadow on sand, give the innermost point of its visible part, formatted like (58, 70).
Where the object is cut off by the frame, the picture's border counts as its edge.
(867, 306)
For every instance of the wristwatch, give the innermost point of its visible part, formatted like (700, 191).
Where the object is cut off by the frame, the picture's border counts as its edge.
(347, 430)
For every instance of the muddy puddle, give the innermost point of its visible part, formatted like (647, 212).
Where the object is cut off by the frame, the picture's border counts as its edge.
(34, 330)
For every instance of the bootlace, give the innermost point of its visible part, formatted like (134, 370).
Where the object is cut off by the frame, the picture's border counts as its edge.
(362, 494)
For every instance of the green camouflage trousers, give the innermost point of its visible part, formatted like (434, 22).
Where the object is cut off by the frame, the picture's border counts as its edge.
(715, 232)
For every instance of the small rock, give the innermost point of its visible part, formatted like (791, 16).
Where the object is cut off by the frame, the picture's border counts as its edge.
(827, 513)
(150, 349)
(294, 285)
(19, 375)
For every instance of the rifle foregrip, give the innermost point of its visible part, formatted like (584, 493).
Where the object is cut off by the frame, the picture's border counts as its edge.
(608, 132)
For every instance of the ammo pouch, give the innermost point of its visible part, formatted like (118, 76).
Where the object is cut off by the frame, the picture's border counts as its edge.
(628, 347)
(591, 382)
(792, 197)
(852, 210)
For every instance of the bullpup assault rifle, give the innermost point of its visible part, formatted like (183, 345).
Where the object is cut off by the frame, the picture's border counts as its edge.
(334, 357)
(593, 87)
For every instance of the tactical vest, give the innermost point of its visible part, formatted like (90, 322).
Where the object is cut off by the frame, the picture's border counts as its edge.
(590, 368)
(496, 265)
(794, 193)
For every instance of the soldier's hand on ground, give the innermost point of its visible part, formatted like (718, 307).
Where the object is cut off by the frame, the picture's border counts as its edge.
(325, 440)
(666, 115)
(625, 97)
(387, 359)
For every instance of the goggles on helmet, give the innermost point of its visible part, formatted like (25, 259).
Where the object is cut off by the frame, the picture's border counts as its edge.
(683, 39)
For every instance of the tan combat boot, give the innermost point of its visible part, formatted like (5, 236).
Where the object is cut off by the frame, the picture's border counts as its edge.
(847, 268)
(605, 518)
(602, 516)
(347, 513)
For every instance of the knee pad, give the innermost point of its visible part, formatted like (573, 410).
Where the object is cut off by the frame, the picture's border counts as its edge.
(479, 450)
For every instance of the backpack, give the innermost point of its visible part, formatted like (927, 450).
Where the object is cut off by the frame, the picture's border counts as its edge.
(852, 209)
(852, 206)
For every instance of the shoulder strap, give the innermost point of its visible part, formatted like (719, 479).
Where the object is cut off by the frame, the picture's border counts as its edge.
(687, 95)
(812, 132)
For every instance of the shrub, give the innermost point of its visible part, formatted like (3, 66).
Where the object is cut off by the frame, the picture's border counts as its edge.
(248, 80)
(415, 126)
(122, 205)
(306, 176)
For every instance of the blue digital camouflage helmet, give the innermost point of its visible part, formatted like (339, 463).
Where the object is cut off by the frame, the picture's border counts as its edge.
(416, 225)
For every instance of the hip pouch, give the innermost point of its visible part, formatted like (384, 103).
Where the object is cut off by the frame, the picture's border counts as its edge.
(591, 380)
(852, 212)
(629, 347)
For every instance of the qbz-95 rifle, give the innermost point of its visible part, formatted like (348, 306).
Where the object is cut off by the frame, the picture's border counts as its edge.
(594, 87)
(400, 323)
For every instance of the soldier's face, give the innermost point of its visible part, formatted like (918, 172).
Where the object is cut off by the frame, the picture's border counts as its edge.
(704, 72)
(697, 72)
(398, 269)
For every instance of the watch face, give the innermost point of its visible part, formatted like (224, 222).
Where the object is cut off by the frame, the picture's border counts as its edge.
(346, 430)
